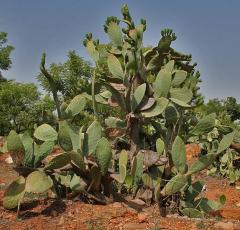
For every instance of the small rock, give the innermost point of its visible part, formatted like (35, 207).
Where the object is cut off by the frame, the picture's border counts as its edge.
(238, 204)
(142, 217)
(9, 160)
(133, 226)
(224, 226)
(237, 187)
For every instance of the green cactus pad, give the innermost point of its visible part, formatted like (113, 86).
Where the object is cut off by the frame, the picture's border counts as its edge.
(162, 83)
(91, 48)
(103, 154)
(194, 190)
(44, 149)
(179, 154)
(78, 159)
(91, 138)
(58, 161)
(74, 134)
(225, 142)
(147, 180)
(29, 151)
(76, 105)
(115, 67)
(192, 213)
(181, 94)
(174, 185)
(205, 125)
(180, 103)
(138, 96)
(169, 66)
(178, 77)
(137, 169)
(160, 145)
(207, 205)
(14, 193)
(64, 138)
(157, 109)
(123, 160)
(38, 182)
(77, 184)
(45, 132)
(115, 34)
(201, 163)
(171, 114)
(15, 147)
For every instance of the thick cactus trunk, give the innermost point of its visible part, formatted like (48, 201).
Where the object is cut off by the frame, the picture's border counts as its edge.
(134, 130)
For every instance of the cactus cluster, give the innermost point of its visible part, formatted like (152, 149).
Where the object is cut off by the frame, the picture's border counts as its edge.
(227, 161)
(154, 90)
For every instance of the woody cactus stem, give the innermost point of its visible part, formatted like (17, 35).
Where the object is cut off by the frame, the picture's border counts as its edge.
(52, 85)
(134, 131)
(93, 94)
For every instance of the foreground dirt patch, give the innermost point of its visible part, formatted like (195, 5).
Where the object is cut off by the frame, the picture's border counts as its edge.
(49, 214)
(66, 214)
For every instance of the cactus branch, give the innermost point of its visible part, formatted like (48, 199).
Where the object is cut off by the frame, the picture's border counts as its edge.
(52, 85)
(93, 93)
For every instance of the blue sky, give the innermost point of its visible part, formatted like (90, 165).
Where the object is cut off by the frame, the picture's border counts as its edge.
(209, 30)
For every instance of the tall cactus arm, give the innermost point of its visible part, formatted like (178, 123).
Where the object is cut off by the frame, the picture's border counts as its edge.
(52, 85)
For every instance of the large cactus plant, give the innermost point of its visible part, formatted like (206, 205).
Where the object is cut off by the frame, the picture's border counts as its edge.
(155, 88)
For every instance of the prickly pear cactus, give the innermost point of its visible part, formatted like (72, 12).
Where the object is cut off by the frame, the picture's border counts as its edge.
(155, 88)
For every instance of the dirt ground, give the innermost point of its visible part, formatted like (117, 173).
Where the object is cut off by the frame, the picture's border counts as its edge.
(67, 214)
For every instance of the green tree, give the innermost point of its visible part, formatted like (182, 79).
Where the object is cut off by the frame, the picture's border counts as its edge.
(21, 107)
(212, 106)
(71, 77)
(227, 110)
(5, 51)
(232, 108)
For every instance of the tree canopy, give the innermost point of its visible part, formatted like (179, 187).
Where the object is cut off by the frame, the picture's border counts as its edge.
(21, 107)
(5, 51)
